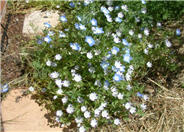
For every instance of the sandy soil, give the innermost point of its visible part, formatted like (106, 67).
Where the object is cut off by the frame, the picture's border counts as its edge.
(24, 115)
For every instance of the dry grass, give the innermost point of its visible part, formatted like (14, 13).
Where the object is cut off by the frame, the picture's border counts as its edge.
(165, 114)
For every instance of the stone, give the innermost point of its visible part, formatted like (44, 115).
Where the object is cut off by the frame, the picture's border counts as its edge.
(34, 21)
(25, 115)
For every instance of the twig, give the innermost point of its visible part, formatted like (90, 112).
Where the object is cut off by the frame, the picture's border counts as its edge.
(164, 88)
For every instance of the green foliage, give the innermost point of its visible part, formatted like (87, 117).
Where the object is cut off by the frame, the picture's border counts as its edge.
(70, 72)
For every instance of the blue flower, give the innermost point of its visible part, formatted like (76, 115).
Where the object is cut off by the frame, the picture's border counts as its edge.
(125, 42)
(139, 94)
(77, 26)
(4, 88)
(106, 83)
(109, 55)
(75, 46)
(117, 77)
(114, 69)
(122, 69)
(66, 29)
(104, 65)
(82, 27)
(94, 22)
(178, 32)
(90, 40)
(127, 58)
(79, 18)
(39, 41)
(117, 8)
(97, 30)
(47, 39)
(127, 50)
(114, 50)
(72, 4)
(104, 10)
(63, 18)
(46, 24)
(117, 19)
(51, 33)
(143, 1)
(61, 34)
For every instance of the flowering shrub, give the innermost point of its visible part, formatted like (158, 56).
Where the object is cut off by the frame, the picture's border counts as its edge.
(87, 69)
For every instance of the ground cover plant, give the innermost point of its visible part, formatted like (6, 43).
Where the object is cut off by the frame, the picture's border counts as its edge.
(88, 69)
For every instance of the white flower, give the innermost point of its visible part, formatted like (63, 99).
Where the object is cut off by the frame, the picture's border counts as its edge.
(79, 120)
(105, 113)
(150, 46)
(124, 7)
(31, 89)
(93, 123)
(54, 75)
(132, 110)
(117, 40)
(70, 109)
(101, 108)
(87, 114)
(159, 24)
(110, 8)
(55, 97)
(57, 119)
(139, 36)
(143, 10)
(115, 93)
(54, 64)
(120, 15)
(58, 6)
(59, 113)
(93, 96)
(80, 99)
(97, 112)
(116, 121)
(146, 31)
(146, 51)
(145, 97)
(76, 67)
(127, 105)
(77, 78)
(48, 63)
(168, 43)
(89, 55)
(58, 57)
(131, 32)
(104, 104)
(120, 96)
(66, 83)
(118, 34)
(64, 99)
(73, 71)
(58, 83)
(59, 91)
(91, 69)
(143, 106)
(97, 52)
(117, 64)
(83, 108)
(82, 129)
(109, 19)
(128, 76)
(149, 64)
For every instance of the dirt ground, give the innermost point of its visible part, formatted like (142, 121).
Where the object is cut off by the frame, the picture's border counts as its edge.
(18, 114)
(23, 114)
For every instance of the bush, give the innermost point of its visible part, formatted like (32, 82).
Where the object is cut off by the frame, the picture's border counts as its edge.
(88, 69)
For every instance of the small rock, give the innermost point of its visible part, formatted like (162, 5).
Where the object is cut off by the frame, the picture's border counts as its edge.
(34, 22)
